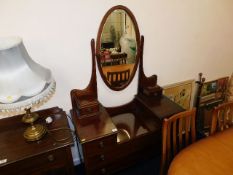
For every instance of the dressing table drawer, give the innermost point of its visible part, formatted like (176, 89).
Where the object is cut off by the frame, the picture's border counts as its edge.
(99, 146)
(98, 154)
(100, 160)
(99, 171)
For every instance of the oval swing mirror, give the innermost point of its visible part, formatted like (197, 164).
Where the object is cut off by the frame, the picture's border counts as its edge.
(117, 47)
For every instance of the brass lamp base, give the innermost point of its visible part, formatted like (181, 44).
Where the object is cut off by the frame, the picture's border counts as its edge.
(35, 132)
(29, 117)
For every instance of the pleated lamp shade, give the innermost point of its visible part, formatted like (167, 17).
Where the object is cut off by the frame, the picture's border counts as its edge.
(23, 82)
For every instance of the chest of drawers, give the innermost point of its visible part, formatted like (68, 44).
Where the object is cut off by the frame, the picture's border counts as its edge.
(98, 154)
(98, 141)
(46, 156)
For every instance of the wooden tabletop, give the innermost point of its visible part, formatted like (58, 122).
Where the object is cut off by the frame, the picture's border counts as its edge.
(210, 156)
(92, 128)
(162, 107)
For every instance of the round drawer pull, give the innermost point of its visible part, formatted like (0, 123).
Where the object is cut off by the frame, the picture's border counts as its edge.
(103, 171)
(89, 109)
(102, 157)
(51, 158)
(101, 144)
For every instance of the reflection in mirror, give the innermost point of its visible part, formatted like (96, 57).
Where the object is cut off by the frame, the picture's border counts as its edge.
(118, 37)
(117, 50)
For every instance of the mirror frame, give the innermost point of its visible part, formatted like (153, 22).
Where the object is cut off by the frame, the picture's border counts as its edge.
(118, 7)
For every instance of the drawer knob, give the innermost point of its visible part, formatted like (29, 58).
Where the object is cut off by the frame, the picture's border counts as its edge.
(89, 109)
(102, 157)
(51, 158)
(101, 144)
(103, 171)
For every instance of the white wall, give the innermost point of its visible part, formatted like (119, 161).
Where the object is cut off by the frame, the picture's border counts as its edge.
(182, 38)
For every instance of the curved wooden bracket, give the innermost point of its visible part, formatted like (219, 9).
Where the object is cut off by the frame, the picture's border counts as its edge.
(85, 101)
(147, 85)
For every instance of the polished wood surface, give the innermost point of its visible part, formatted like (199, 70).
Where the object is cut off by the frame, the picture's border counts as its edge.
(93, 128)
(212, 155)
(222, 117)
(120, 136)
(117, 68)
(161, 106)
(147, 85)
(40, 157)
(178, 131)
(85, 101)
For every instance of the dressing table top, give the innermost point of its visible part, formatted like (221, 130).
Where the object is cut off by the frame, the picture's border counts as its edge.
(162, 107)
(93, 128)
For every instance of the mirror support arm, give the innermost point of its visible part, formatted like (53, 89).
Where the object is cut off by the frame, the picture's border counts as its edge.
(147, 85)
(85, 101)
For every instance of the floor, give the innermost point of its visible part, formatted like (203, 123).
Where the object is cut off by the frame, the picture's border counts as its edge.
(148, 167)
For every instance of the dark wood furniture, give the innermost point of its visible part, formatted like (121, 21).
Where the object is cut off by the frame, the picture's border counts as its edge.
(117, 137)
(49, 155)
(178, 132)
(222, 117)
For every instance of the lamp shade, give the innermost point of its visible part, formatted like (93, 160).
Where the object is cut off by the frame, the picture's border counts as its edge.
(23, 82)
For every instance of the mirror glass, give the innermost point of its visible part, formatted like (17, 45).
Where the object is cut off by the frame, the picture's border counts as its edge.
(117, 46)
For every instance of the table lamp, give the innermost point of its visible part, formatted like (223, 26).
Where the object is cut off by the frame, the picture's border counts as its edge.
(24, 84)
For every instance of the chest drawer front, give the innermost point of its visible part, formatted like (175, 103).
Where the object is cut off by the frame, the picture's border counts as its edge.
(88, 110)
(100, 145)
(99, 171)
(45, 162)
(99, 160)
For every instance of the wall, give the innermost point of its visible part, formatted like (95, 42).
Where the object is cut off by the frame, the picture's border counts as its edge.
(182, 38)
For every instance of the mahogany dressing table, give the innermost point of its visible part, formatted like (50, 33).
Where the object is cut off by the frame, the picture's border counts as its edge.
(113, 138)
